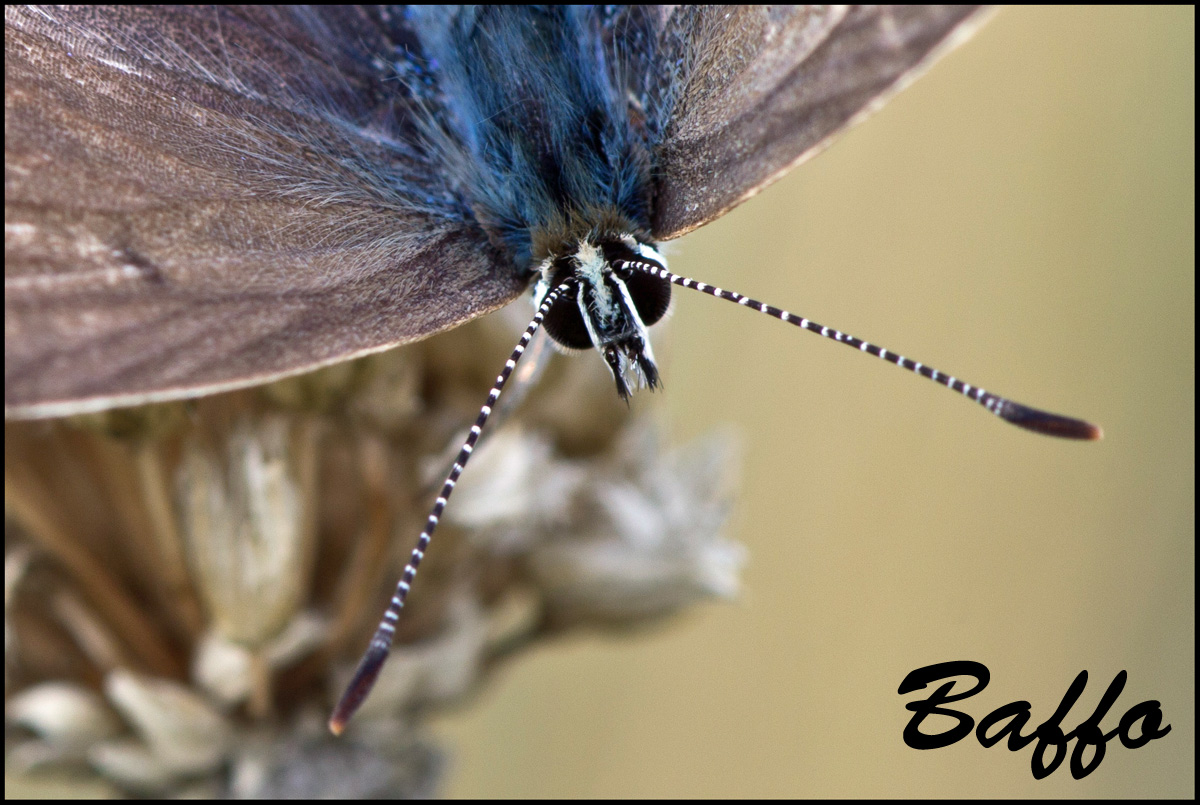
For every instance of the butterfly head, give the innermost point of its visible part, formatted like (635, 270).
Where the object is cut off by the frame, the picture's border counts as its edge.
(612, 302)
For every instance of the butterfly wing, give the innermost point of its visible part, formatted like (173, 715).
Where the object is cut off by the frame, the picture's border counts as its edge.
(746, 93)
(201, 199)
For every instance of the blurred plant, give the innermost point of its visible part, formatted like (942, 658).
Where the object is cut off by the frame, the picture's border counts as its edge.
(187, 585)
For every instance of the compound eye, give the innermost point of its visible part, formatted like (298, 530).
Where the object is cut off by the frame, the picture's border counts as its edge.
(651, 295)
(564, 323)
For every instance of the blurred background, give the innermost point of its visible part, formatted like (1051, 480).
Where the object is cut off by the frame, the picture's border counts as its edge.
(1021, 217)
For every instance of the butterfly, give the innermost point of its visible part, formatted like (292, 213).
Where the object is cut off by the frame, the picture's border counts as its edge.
(200, 199)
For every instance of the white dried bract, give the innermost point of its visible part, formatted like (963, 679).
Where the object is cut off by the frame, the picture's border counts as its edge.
(652, 541)
(245, 515)
(66, 716)
(182, 732)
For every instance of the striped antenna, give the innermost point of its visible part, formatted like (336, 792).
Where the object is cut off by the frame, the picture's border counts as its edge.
(1023, 416)
(377, 652)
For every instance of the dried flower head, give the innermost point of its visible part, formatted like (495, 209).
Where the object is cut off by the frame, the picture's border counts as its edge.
(187, 585)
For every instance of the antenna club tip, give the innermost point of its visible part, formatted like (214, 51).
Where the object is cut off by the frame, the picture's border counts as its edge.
(1048, 424)
(345, 711)
(1077, 429)
(1065, 428)
(356, 692)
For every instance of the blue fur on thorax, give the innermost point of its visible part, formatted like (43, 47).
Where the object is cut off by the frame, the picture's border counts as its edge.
(534, 130)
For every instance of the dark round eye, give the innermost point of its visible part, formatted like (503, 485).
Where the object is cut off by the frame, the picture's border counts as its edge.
(564, 323)
(651, 295)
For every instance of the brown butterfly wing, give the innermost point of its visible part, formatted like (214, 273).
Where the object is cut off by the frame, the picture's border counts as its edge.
(182, 216)
(752, 91)
(180, 220)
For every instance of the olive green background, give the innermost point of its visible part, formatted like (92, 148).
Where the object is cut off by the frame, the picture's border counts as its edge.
(1021, 217)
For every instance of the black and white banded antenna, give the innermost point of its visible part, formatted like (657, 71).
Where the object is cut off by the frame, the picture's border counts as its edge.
(611, 319)
(377, 652)
(1023, 416)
